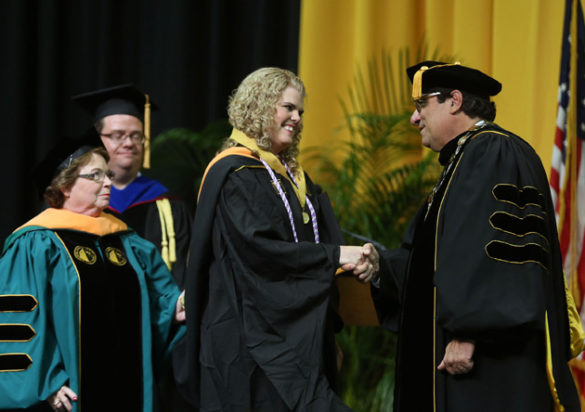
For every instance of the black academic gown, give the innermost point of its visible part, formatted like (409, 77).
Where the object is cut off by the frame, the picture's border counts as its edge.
(260, 324)
(481, 263)
(143, 217)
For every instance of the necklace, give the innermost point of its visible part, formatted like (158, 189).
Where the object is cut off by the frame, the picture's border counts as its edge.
(460, 143)
(282, 195)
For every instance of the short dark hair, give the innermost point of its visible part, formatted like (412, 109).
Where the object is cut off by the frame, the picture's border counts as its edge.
(65, 179)
(472, 106)
(99, 125)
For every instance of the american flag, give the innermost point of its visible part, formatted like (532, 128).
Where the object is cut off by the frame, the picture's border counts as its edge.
(567, 178)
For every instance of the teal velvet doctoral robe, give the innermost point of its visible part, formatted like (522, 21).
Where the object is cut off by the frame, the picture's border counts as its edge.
(40, 307)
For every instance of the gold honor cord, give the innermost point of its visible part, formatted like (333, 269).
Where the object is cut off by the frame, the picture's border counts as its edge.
(168, 243)
(146, 160)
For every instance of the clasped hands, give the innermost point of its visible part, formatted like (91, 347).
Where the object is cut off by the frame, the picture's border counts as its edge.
(363, 261)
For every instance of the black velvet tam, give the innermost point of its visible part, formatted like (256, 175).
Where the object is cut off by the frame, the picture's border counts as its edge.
(61, 155)
(452, 76)
(122, 99)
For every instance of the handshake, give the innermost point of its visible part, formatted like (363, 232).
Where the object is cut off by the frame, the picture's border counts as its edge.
(363, 261)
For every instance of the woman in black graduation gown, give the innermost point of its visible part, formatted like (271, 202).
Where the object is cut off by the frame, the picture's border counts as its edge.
(264, 253)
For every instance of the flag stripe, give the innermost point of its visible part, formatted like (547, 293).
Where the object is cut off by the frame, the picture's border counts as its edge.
(567, 177)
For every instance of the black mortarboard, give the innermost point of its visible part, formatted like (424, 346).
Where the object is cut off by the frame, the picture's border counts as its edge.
(122, 99)
(62, 155)
(430, 74)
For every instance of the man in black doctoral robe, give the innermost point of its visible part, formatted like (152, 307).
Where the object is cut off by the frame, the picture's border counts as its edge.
(477, 290)
(122, 119)
(121, 116)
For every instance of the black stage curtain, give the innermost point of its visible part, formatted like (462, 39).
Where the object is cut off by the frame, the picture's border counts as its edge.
(187, 54)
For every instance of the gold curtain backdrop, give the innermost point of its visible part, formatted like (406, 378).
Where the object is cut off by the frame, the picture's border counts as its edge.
(516, 41)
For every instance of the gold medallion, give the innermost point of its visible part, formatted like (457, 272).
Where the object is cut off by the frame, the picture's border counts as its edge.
(85, 254)
(115, 256)
(305, 217)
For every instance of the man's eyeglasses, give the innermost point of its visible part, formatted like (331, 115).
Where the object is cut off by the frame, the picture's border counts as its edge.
(422, 101)
(98, 176)
(119, 137)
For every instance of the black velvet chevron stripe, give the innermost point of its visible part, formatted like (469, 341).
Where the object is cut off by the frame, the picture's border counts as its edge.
(517, 225)
(17, 303)
(14, 362)
(12, 333)
(519, 197)
(507, 252)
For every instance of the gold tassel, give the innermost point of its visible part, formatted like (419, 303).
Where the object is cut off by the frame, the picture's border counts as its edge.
(417, 79)
(146, 161)
(417, 83)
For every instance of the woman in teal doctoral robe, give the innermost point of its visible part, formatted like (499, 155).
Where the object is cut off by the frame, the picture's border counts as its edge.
(88, 309)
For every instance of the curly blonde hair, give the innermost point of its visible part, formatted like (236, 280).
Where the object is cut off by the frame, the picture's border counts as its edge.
(252, 107)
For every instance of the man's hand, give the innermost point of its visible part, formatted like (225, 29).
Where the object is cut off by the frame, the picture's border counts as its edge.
(458, 357)
(363, 262)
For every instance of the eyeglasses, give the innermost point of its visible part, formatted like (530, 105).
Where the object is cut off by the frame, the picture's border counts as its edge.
(422, 101)
(119, 137)
(98, 176)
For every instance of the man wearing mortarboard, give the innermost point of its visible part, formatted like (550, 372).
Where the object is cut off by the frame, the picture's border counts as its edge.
(122, 119)
(121, 116)
(477, 291)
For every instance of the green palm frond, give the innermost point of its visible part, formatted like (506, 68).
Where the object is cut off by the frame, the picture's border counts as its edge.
(180, 156)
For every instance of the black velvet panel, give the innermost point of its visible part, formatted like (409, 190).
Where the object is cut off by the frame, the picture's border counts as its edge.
(110, 331)
(519, 226)
(17, 303)
(21, 333)
(519, 197)
(517, 254)
(14, 362)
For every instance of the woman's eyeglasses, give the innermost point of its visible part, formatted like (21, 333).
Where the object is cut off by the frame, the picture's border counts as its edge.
(98, 176)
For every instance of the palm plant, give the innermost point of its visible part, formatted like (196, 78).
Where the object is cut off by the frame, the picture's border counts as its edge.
(375, 188)
(180, 156)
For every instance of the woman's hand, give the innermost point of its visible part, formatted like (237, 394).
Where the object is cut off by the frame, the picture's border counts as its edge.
(349, 257)
(62, 399)
(363, 261)
(180, 314)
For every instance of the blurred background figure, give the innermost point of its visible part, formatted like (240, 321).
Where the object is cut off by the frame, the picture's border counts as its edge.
(122, 119)
(121, 116)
